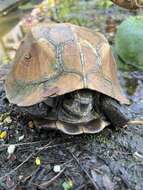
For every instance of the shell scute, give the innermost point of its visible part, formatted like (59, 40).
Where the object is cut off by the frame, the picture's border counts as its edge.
(90, 58)
(61, 34)
(71, 57)
(40, 64)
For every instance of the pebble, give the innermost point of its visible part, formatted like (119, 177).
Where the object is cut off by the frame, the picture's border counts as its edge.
(57, 168)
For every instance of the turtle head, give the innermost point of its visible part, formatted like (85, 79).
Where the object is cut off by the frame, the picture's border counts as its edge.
(78, 107)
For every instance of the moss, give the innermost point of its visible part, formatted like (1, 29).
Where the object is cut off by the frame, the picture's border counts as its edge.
(99, 138)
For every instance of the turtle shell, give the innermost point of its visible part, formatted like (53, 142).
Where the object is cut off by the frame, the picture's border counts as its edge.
(54, 59)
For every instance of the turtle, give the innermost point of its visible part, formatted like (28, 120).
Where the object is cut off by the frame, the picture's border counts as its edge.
(65, 77)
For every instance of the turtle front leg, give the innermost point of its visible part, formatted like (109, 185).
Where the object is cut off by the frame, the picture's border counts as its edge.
(114, 112)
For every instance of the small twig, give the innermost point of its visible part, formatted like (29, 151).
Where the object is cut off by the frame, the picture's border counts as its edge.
(52, 146)
(47, 183)
(21, 144)
(65, 163)
(123, 153)
(83, 186)
(85, 171)
(136, 122)
(80, 187)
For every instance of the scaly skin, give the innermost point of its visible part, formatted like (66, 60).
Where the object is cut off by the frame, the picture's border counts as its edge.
(114, 112)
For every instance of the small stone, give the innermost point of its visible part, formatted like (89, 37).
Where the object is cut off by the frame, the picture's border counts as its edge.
(11, 149)
(21, 138)
(30, 124)
(57, 168)
(20, 177)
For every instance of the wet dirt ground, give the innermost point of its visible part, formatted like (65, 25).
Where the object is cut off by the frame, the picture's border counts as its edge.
(110, 160)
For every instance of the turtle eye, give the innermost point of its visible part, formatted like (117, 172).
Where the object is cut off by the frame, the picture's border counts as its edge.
(27, 56)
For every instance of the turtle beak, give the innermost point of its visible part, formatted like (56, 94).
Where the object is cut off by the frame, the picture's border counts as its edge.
(83, 96)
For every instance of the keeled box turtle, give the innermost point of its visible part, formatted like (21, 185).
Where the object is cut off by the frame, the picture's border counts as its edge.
(65, 76)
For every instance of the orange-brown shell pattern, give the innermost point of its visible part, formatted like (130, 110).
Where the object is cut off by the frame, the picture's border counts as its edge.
(54, 59)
